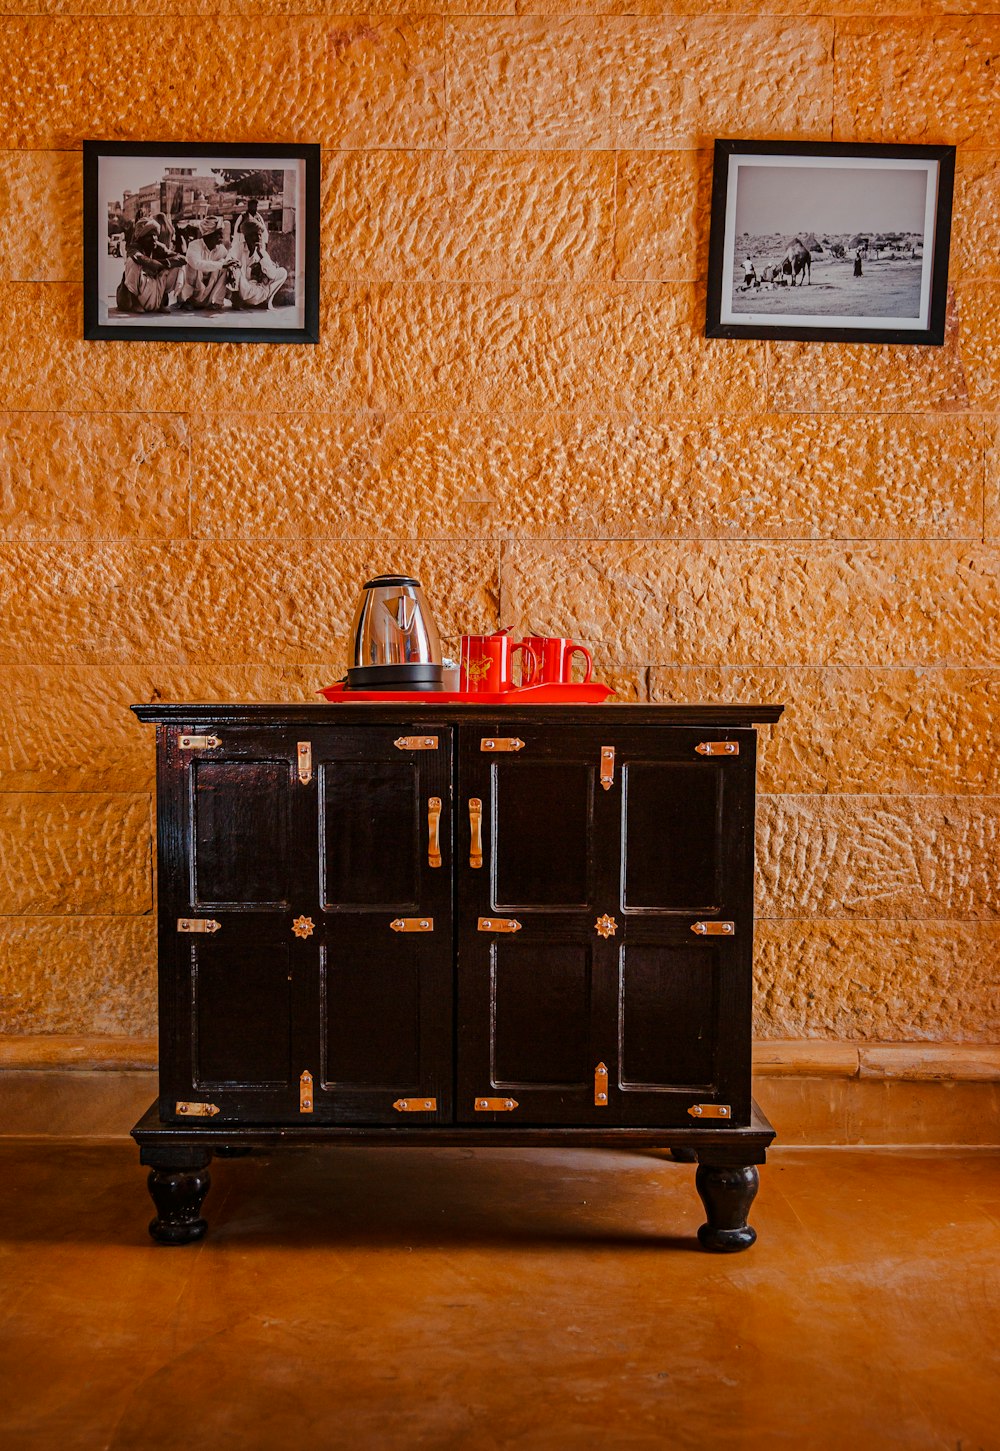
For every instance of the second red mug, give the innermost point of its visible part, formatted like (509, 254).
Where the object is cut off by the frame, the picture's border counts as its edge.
(555, 658)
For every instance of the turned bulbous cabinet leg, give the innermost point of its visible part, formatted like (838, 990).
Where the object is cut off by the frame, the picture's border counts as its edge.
(727, 1192)
(178, 1190)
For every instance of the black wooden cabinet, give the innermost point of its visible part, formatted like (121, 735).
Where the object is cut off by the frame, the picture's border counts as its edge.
(455, 924)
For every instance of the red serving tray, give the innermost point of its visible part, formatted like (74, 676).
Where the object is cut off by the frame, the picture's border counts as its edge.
(558, 693)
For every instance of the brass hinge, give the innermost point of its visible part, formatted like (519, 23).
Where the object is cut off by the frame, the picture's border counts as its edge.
(196, 1110)
(710, 1110)
(501, 743)
(415, 1105)
(495, 1105)
(601, 1085)
(305, 752)
(197, 924)
(305, 1092)
(718, 748)
(198, 743)
(607, 767)
(498, 924)
(412, 924)
(416, 743)
(714, 929)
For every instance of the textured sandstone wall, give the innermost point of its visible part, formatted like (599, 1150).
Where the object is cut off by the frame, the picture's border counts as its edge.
(512, 398)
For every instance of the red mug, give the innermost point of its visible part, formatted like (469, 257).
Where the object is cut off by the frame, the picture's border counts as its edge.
(487, 663)
(555, 658)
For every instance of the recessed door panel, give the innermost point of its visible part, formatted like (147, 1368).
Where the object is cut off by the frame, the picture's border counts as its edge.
(370, 1007)
(671, 836)
(542, 813)
(370, 835)
(241, 1013)
(541, 1013)
(241, 835)
(668, 1016)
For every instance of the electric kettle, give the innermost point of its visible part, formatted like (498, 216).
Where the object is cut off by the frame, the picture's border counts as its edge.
(396, 644)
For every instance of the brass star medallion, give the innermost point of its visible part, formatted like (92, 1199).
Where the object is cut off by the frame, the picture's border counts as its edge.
(606, 926)
(303, 927)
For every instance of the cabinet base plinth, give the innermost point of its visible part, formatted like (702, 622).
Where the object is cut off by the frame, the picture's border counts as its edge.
(179, 1155)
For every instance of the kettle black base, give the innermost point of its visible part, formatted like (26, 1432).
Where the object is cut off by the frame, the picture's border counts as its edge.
(395, 677)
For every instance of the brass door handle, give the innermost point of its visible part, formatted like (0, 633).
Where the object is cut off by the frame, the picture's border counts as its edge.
(476, 830)
(434, 831)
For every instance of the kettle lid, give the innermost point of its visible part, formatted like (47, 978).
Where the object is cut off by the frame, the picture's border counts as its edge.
(381, 579)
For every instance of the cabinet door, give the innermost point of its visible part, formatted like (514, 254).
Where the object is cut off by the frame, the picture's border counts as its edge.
(234, 977)
(684, 946)
(384, 989)
(580, 972)
(535, 995)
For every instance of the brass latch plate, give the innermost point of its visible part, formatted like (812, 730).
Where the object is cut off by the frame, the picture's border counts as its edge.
(498, 924)
(495, 1105)
(198, 743)
(718, 748)
(710, 1110)
(501, 743)
(416, 743)
(197, 924)
(415, 1105)
(305, 757)
(714, 929)
(305, 1092)
(601, 1085)
(607, 767)
(196, 1110)
(412, 924)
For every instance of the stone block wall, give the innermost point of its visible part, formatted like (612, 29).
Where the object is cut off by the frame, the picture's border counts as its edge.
(512, 397)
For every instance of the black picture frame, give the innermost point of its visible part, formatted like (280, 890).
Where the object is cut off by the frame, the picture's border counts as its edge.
(105, 163)
(756, 182)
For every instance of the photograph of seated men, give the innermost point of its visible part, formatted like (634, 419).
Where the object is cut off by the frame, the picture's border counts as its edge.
(191, 268)
(208, 243)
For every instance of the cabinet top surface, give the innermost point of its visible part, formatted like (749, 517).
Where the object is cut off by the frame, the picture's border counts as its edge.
(316, 713)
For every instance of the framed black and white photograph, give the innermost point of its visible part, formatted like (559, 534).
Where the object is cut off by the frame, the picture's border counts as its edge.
(824, 242)
(201, 243)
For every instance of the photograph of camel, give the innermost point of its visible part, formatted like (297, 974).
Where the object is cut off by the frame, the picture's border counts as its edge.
(198, 243)
(821, 242)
